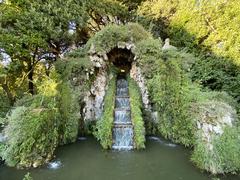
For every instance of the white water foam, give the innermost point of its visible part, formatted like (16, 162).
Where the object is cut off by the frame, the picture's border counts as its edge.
(55, 164)
(161, 141)
(82, 138)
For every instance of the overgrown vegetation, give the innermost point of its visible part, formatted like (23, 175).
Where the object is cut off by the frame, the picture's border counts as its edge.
(104, 125)
(32, 136)
(32, 129)
(195, 24)
(200, 28)
(169, 89)
(224, 155)
(38, 94)
(39, 123)
(109, 37)
(136, 114)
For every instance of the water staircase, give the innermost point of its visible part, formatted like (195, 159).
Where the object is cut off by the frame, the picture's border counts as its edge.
(123, 127)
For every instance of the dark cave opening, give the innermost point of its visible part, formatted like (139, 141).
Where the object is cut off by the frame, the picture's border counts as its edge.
(121, 58)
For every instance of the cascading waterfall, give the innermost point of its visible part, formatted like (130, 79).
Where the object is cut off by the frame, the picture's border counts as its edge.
(123, 128)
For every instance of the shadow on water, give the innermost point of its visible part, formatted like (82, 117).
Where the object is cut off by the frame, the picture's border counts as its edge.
(86, 160)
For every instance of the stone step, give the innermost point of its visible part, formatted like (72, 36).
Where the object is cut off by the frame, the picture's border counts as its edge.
(122, 96)
(122, 109)
(122, 125)
(122, 147)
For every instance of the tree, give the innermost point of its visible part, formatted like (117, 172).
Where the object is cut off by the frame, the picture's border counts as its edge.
(34, 31)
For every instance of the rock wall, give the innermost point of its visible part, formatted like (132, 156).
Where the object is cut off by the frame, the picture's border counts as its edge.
(135, 73)
(213, 117)
(214, 120)
(94, 99)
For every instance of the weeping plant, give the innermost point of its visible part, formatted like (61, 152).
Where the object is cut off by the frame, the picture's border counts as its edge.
(136, 114)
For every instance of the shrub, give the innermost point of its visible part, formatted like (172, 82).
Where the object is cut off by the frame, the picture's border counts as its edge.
(136, 114)
(32, 136)
(2, 148)
(170, 90)
(217, 74)
(39, 123)
(74, 80)
(106, 39)
(69, 113)
(104, 126)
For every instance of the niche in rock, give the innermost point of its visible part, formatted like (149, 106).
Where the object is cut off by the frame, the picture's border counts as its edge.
(121, 58)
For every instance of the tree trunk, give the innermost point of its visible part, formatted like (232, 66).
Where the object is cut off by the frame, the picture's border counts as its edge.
(30, 78)
(9, 94)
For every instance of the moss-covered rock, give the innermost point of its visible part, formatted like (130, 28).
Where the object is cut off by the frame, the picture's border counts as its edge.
(217, 148)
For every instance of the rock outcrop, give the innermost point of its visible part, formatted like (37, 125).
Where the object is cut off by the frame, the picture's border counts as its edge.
(215, 120)
(213, 117)
(135, 73)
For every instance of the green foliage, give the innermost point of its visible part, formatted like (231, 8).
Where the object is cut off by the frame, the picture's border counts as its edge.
(107, 39)
(4, 105)
(224, 156)
(149, 54)
(76, 69)
(75, 79)
(170, 91)
(39, 123)
(27, 177)
(195, 24)
(69, 109)
(132, 5)
(201, 28)
(32, 136)
(2, 148)
(217, 74)
(104, 126)
(136, 114)
(29, 35)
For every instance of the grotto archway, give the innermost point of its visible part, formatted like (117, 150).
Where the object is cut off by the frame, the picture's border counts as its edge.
(114, 45)
(121, 59)
(114, 48)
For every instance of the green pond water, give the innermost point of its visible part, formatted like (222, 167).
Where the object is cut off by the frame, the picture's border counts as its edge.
(85, 160)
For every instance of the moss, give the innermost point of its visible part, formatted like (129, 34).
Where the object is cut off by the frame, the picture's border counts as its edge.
(104, 126)
(136, 114)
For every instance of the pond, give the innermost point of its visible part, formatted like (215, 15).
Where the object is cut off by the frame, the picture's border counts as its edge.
(85, 160)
